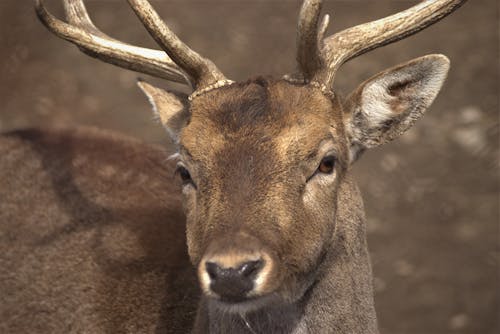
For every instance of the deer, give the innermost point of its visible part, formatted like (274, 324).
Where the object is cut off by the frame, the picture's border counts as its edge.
(262, 229)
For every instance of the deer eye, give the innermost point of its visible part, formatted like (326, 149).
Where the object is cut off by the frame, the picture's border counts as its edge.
(326, 165)
(183, 174)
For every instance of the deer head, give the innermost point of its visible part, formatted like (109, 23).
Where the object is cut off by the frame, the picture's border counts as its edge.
(263, 162)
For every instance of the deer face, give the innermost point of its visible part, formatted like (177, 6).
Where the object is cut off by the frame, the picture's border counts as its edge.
(261, 189)
(261, 163)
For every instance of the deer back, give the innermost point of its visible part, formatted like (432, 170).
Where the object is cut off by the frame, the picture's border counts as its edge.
(92, 236)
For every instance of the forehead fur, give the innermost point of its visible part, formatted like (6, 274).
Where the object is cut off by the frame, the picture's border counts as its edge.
(261, 111)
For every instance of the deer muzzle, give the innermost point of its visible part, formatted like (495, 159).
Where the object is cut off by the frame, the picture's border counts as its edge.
(236, 269)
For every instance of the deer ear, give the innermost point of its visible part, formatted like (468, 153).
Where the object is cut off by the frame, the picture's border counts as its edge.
(170, 108)
(386, 105)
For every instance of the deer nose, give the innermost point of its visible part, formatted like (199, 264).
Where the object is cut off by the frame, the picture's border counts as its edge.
(232, 284)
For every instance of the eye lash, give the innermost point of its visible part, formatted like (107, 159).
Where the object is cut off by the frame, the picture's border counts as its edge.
(174, 156)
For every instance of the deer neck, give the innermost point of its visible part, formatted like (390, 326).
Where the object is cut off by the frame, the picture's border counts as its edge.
(339, 301)
(342, 300)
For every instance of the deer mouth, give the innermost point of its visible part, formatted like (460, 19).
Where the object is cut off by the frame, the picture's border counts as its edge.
(243, 304)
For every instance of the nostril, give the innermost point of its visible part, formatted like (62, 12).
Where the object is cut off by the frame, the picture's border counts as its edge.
(232, 283)
(250, 268)
(212, 270)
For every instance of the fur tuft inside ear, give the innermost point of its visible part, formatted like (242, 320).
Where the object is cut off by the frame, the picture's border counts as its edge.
(388, 104)
(170, 108)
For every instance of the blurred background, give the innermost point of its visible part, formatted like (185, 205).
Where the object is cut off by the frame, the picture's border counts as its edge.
(431, 197)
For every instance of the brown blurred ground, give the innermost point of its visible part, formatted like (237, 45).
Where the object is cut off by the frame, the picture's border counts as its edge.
(431, 197)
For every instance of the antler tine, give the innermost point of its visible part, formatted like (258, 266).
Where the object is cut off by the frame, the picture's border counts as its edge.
(352, 42)
(82, 32)
(308, 39)
(77, 15)
(357, 40)
(202, 70)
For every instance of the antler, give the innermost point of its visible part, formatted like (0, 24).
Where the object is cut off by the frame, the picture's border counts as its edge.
(202, 70)
(184, 65)
(319, 59)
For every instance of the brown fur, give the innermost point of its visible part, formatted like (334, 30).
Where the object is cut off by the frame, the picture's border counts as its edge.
(92, 237)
